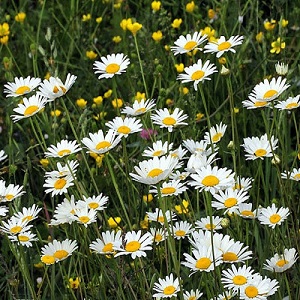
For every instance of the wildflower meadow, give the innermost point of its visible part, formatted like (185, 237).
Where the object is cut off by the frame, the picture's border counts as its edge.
(149, 149)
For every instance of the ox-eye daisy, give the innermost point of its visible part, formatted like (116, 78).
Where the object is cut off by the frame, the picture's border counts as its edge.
(10, 192)
(244, 183)
(222, 45)
(198, 72)
(21, 86)
(85, 216)
(167, 287)
(158, 149)
(105, 245)
(14, 226)
(126, 126)
(165, 119)
(24, 238)
(58, 185)
(245, 211)
(289, 104)
(68, 169)
(202, 146)
(215, 134)
(3, 211)
(28, 214)
(192, 295)
(212, 223)
(138, 107)
(29, 107)
(253, 103)
(112, 64)
(181, 229)
(293, 175)
(188, 43)
(160, 217)
(198, 160)
(159, 234)
(64, 212)
(235, 253)
(273, 216)
(100, 143)
(94, 202)
(63, 148)
(170, 188)
(262, 147)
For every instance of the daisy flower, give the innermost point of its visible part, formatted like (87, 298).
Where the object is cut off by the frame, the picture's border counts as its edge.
(244, 183)
(221, 45)
(226, 295)
(235, 253)
(55, 88)
(159, 216)
(198, 72)
(3, 156)
(209, 223)
(21, 86)
(212, 179)
(178, 153)
(28, 214)
(135, 244)
(24, 238)
(262, 147)
(85, 216)
(14, 226)
(64, 212)
(124, 127)
(106, 244)
(177, 175)
(159, 234)
(139, 107)
(181, 229)
(165, 119)
(197, 160)
(192, 295)
(246, 211)
(114, 64)
(253, 103)
(171, 188)
(293, 175)
(29, 107)
(203, 147)
(69, 169)
(58, 186)
(215, 134)
(10, 192)
(3, 211)
(63, 148)
(158, 149)
(154, 170)
(166, 287)
(273, 216)
(95, 202)
(100, 143)
(269, 90)
(281, 262)
(188, 43)
(289, 104)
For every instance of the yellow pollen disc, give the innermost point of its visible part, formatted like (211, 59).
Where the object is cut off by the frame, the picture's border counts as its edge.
(169, 290)
(158, 237)
(197, 75)
(217, 137)
(210, 226)
(108, 247)
(169, 121)
(260, 103)
(291, 105)
(140, 110)
(63, 89)
(60, 183)
(23, 238)
(230, 202)
(297, 176)
(190, 45)
(158, 153)
(210, 180)
(124, 129)
(93, 205)
(30, 110)
(203, 263)
(84, 219)
(9, 196)
(180, 233)
(269, 94)
(224, 46)
(64, 152)
(192, 298)
(72, 212)
(275, 218)
(133, 246)
(48, 259)
(168, 190)
(247, 213)
(55, 89)
(15, 229)
(27, 218)
(161, 219)
(112, 68)
(260, 152)
(251, 291)
(102, 145)
(239, 280)
(154, 172)
(60, 254)
(22, 90)
(281, 263)
(230, 256)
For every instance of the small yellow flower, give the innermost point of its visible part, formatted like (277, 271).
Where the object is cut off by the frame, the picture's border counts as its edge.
(20, 17)
(167, 47)
(117, 103)
(169, 102)
(277, 46)
(44, 162)
(182, 208)
(4, 40)
(155, 5)
(269, 25)
(100, 116)
(99, 160)
(117, 39)
(211, 14)
(114, 222)
(98, 100)
(190, 7)
(192, 53)
(4, 29)
(99, 20)
(140, 96)
(179, 67)
(134, 27)
(210, 33)
(176, 23)
(183, 90)
(259, 37)
(107, 94)
(284, 23)
(157, 36)
(222, 60)
(118, 4)
(47, 75)
(55, 113)
(199, 116)
(74, 284)
(91, 54)
(39, 265)
(124, 23)
(148, 198)
(86, 18)
(236, 110)
(81, 103)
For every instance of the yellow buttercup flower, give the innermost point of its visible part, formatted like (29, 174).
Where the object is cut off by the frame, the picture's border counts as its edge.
(179, 67)
(134, 27)
(91, 54)
(199, 116)
(4, 29)
(182, 208)
(98, 100)
(86, 18)
(117, 103)
(169, 102)
(277, 46)
(211, 14)
(99, 20)
(100, 116)
(117, 39)
(81, 103)
(157, 36)
(183, 90)
(190, 7)
(74, 284)
(44, 162)
(114, 222)
(148, 198)
(284, 23)
(4, 40)
(176, 23)
(210, 33)
(20, 17)
(155, 5)
(55, 113)
(269, 25)
(222, 60)
(107, 94)
(124, 23)
(259, 37)
(167, 47)
(140, 96)
(145, 223)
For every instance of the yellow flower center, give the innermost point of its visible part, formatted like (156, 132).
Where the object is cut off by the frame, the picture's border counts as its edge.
(27, 218)
(15, 229)
(60, 254)
(30, 110)
(239, 280)
(84, 219)
(48, 259)
(154, 172)
(23, 238)
(281, 263)
(260, 152)
(203, 263)
(297, 176)
(55, 89)
(169, 290)
(168, 190)
(112, 68)
(210, 226)
(260, 103)
(102, 145)
(9, 197)
(217, 137)
(158, 153)
(180, 233)
(93, 205)
(247, 213)
(269, 94)
(210, 180)
(124, 129)
(140, 110)
(230, 256)
(158, 237)
(133, 246)
(190, 45)
(275, 218)
(197, 75)
(108, 247)
(192, 298)
(291, 105)
(169, 121)
(224, 46)
(22, 90)
(230, 202)
(60, 183)
(161, 219)
(251, 291)
(64, 152)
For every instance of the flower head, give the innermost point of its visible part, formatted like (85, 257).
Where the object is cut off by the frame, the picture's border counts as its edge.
(277, 46)
(63, 148)
(273, 216)
(21, 86)
(126, 126)
(167, 287)
(188, 43)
